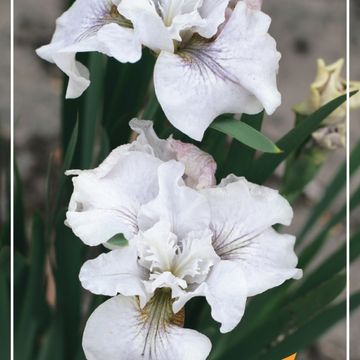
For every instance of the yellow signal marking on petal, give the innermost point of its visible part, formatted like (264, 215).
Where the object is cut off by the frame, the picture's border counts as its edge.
(291, 357)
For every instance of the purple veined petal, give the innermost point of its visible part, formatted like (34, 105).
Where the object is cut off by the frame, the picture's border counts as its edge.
(242, 216)
(89, 25)
(106, 200)
(233, 73)
(119, 328)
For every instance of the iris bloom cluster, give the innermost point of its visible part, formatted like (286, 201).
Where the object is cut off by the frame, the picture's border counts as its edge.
(187, 237)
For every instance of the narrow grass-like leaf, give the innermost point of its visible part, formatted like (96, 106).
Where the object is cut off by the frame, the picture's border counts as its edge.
(333, 264)
(34, 314)
(69, 252)
(5, 303)
(216, 144)
(266, 164)
(311, 250)
(126, 87)
(331, 191)
(52, 346)
(240, 156)
(354, 301)
(314, 247)
(311, 331)
(151, 108)
(21, 279)
(306, 335)
(104, 146)
(69, 155)
(91, 110)
(5, 235)
(289, 318)
(245, 134)
(20, 242)
(70, 109)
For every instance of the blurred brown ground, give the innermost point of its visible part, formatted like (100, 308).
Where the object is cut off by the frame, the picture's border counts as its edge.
(304, 30)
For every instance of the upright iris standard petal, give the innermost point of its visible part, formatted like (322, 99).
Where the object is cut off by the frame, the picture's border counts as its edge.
(234, 73)
(106, 200)
(200, 167)
(213, 12)
(90, 25)
(120, 329)
(184, 208)
(147, 137)
(148, 24)
(174, 262)
(160, 24)
(242, 219)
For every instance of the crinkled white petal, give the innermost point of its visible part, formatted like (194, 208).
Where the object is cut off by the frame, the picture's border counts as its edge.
(120, 43)
(78, 73)
(147, 137)
(225, 290)
(268, 260)
(95, 227)
(148, 25)
(242, 216)
(166, 280)
(243, 208)
(117, 330)
(184, 208)
(175, 263)
(213, 12)
(113, 273)
(195, 257)
(185, 21)
(88, 25)
(200, 167)
(157, 247)
(226, 293)
(106, 200)
(235, 73)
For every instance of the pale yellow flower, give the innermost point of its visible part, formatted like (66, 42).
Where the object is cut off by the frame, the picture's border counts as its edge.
(327, 86)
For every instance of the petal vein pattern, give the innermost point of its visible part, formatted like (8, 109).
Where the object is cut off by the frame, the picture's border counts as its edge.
(119, 328)
(233, 73)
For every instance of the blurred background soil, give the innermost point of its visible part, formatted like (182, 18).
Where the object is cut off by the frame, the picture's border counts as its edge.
(305, 30)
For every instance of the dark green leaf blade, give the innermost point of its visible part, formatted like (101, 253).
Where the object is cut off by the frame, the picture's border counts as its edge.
(245, 134)
(5, 303)
(286, 319)
(266, 164)
(34, 314)
(240, 156)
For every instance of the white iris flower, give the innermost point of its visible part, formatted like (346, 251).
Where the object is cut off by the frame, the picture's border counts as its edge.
(216, 242)
(214, 56)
